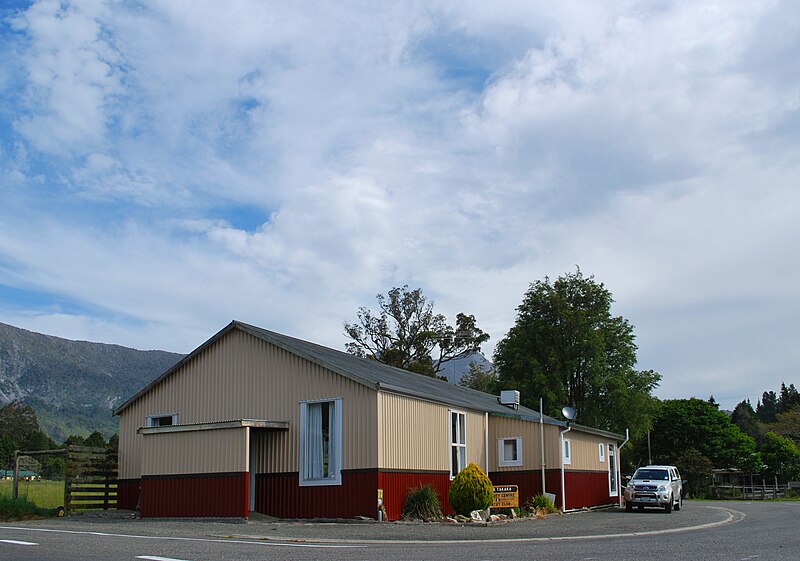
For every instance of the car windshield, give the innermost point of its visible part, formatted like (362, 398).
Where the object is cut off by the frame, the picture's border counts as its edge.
(653, 474)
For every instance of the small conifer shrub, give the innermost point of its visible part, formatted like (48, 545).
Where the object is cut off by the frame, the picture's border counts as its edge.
(471, 490)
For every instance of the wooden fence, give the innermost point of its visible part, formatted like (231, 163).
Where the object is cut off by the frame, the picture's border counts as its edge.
(90, 479)
(751, 492)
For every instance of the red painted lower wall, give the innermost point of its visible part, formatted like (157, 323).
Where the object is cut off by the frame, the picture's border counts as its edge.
(127, 494)
(396, 484)
(529, 482)
(280, 495)
(201, 495)
(586, 488)
(583, 488)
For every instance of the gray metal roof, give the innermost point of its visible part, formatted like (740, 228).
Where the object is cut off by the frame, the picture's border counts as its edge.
(375, 375)
(388, 378)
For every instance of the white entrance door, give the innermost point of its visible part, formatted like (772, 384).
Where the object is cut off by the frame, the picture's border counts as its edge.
(252, 472)
(613, 485)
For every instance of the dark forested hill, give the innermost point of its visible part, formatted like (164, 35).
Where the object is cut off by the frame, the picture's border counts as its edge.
(73, 385)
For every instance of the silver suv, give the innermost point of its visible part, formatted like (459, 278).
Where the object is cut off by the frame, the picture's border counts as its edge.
(659, 486)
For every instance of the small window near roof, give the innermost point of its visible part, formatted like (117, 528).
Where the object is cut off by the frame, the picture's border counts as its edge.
(509, 451)
(602, 451)
(162, 420)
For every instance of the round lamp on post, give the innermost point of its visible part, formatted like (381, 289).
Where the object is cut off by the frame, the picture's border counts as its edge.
(569, 414)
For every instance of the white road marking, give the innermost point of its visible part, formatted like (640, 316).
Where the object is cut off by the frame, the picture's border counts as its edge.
(16, 542)
(732, 516)
(273, 542)
(157, 558)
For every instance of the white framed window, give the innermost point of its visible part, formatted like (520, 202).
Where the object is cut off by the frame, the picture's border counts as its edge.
(509, 451)
(321, 442)
(162, 420)
(601, 450)
(458, 442)
(567, 451)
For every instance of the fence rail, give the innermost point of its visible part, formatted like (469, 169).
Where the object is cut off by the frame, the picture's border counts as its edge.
(90, 480)
(752, 492)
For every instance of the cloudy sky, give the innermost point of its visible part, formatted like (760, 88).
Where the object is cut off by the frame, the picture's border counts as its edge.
(169, 165)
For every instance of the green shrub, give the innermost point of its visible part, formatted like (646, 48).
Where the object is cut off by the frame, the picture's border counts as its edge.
(471, 490)
(422, 502)
(540, 502)
(22, 509)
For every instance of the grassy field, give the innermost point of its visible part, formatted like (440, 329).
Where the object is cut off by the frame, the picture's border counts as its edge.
(44, 494)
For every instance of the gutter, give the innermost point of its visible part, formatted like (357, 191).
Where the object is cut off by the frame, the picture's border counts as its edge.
(621, 492)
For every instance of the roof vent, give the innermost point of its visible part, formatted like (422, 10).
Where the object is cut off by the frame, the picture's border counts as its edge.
(509, 398)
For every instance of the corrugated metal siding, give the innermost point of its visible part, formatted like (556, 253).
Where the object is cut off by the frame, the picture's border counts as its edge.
(529, 482)
(583, 488)
(127, 494)
(586, 488)
(585, 452)
(505, 427)
(278, 494)
(206, 496)
(396, 485)
(241, 376)
(209, 451)
(415, 434)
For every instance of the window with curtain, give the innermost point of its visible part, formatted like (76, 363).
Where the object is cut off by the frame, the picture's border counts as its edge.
(458, 442)
(320, 442)
(509, 451)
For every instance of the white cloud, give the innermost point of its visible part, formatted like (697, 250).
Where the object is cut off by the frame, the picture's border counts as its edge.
(181, 164)
(72, 76)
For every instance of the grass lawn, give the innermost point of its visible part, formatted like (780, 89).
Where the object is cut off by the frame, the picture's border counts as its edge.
(44, 494)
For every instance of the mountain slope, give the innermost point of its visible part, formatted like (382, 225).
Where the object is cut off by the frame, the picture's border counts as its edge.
(73, 385)
(458, 368)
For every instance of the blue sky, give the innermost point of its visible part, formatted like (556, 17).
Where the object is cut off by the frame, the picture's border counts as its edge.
(168, 166)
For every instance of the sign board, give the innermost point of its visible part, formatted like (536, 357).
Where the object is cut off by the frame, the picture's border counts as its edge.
(506, 496)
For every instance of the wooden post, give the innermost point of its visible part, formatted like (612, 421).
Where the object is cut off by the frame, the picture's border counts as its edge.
(15, 483)
(67, 478)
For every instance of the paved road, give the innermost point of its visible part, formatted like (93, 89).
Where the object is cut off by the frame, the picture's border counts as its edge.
(702, 531)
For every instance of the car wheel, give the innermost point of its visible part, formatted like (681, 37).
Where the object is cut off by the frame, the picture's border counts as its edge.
(668, 508)
(628, 507)
(679, 504)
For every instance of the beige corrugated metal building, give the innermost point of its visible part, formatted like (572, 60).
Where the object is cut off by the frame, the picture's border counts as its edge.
(257, 421)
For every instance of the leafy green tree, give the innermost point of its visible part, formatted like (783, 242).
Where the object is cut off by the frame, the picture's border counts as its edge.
(567, 348)
(407, 334)
(480, 378)
(696, 469)
(787, 424)
(788, 398)
(96, 439)
(18, 421)
(37, 440)
(7, 448)
(683, 424)
(781, 457)
(53, 468)
(745, 418)
(113, 441)
(75, 440)
(767, 407)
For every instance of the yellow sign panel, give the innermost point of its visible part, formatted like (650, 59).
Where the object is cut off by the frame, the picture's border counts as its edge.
(506, 496)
